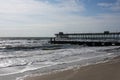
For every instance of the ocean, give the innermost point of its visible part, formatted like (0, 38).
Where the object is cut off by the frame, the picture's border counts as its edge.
(21, 57)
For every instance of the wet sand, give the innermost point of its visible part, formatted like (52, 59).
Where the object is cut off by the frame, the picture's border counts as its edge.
(102, 71)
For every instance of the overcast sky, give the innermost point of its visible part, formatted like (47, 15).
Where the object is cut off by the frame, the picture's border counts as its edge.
(38, 18)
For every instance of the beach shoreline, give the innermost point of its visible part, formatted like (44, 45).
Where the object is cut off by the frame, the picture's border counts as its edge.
(102, 71)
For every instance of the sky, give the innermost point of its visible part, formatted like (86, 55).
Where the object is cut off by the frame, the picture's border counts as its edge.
(44, 18)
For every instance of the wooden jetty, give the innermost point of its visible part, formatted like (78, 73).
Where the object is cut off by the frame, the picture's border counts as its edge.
(91, 39)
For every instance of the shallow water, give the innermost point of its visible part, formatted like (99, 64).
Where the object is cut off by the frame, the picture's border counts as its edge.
(19, 57)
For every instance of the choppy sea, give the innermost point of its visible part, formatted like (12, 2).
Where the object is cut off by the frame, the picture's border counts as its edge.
(25, 56)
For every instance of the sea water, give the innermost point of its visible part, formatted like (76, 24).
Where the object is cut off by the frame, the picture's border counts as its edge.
(26, 56)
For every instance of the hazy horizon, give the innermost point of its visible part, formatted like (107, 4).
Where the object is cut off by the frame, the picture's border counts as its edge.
(44, 18)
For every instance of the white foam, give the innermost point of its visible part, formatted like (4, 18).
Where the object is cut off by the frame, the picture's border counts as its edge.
(38, 59)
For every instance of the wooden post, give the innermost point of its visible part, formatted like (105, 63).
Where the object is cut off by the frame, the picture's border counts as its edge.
(54, 39)
(50, 39)
(117, 36)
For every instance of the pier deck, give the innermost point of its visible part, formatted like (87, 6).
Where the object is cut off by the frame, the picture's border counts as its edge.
(90, 39)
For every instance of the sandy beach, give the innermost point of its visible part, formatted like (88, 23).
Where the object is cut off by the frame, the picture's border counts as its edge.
(102, 71)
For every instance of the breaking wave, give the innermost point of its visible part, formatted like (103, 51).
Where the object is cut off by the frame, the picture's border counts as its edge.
(18, 55)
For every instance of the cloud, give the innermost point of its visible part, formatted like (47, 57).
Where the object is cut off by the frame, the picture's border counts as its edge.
(105, 4)
(36, 16)
(116, 6)
(30, 10)
(34, 6)
(46, 17)
(71, 5)
(111, 6)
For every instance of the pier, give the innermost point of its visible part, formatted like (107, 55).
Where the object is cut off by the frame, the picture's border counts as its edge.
(91, 39)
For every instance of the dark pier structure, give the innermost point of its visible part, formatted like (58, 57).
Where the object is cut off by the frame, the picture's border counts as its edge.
(91, 39)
